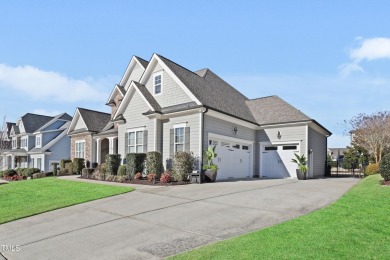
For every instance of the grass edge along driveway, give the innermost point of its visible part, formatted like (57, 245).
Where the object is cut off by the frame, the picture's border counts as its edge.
(20, 199)
(357, 226)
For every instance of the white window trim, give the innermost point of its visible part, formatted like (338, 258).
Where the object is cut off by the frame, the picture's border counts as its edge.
(24, 142)
(75, 149)
(135, 130)
(175, 126)
(40, 141)
(159, 73)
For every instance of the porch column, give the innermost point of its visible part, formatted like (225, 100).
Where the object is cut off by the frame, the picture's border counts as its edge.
(13, 162)
(113, 149)
(98, 150)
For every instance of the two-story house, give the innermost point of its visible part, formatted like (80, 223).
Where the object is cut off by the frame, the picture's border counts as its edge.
(162, 106)
(38, 141)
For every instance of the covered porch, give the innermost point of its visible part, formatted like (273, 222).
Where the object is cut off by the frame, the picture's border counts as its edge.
(106, 143)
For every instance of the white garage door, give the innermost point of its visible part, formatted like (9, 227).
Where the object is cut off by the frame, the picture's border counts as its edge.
(233, 159)
(276, 161)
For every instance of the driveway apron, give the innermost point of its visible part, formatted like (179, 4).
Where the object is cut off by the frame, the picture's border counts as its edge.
(152, 223)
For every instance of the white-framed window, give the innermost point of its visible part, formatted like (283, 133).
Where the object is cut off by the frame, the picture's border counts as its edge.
(14, 143)
(179, 139)
(80, 149)
(23, 141)
(38, 141)
(136, 141)
(39, 163)
(157, 83)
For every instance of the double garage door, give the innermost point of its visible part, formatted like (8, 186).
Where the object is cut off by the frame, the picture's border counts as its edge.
(276, 161)
(233, 159)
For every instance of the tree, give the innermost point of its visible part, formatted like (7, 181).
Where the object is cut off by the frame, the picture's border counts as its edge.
(355, 157)
(372, 133)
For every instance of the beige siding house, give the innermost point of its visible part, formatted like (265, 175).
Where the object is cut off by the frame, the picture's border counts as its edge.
(158, 105)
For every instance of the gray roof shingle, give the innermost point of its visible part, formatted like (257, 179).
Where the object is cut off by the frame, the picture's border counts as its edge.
(212, 91)
(273, 109)
(94, 120)
(32, 122)
(145, 92)
(143, 62)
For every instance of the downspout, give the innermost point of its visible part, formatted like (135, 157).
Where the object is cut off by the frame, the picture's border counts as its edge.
(201, 143)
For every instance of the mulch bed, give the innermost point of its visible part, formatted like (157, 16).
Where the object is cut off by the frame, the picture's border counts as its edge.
(146, 182)
(387, 183)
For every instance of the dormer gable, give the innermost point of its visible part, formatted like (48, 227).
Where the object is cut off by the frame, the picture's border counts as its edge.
(134, 71)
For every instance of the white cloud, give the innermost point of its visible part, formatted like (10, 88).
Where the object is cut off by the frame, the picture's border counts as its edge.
(368, 49)
(372, 49)
(43, 85)
(348, 68)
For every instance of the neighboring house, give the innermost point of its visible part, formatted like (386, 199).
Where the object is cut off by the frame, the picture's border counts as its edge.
(337, 154)
(5, 142)
(162, 106)
(85, 124)
(38, 141)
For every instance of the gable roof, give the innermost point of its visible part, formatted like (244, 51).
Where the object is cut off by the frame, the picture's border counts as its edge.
(62, 117)
(143, 62)
(273, 109)
(94, 120)
(212, 91)
(32, 122)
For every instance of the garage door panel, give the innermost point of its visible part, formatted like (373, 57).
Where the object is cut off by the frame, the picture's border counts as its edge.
(276, 161)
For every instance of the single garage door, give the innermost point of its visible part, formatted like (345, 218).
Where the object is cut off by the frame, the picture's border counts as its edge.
(233, 159)
(276, 161)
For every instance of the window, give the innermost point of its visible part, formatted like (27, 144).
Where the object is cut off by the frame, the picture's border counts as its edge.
(14, 143)
(80, 149)
(38, 141)
(236, 146)
(39, 163)
(225, 144)
(270, 148)
(24, 142)
(136, 141)
(289, 147)
(245, 147)
(179, 139)
(157, 83)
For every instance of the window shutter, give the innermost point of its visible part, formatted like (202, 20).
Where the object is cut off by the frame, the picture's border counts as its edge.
(126, 144)
(187, 139)
(171, 142)
(145, 141)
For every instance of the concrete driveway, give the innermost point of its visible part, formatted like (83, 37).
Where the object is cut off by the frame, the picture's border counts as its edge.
(154, 222)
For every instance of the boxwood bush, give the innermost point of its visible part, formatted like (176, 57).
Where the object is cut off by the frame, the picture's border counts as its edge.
(28, 172)
(372, 169)
(384, 167)
(69, 167)
(154, 163)
(78, 165)
(182, 166)
(135, 163)
(112, 163)
(63, 162)
(122, 170)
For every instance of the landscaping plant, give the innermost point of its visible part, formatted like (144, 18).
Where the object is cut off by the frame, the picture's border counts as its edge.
(372, 169)
(135, 163)
(166, 177)
(78, 165)
(182, 166)
(384, 167)
(138, 176)
(151, 177)
(210, 155)
(112, 163)
(154, 163)
(301, 161)
(122, 170)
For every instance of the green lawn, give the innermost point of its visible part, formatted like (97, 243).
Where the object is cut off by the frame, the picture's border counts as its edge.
(355, 227)
(21, 199)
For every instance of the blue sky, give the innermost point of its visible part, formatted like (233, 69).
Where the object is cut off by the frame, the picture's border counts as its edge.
(330, 59)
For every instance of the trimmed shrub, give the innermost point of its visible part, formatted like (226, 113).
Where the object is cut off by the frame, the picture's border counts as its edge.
(372, 169)
(1, 174)
(28, 172)
(151, 177)
(120, 178)
(78, 165)
(182, 166)
(20, 171)
(135, 163)
(63, 162)
(384, 167)
(102, 168)
(166, 177)
(55, 170)
(154, 163)
(86, 172)
(112, 163)
(9, 173)
(122, 170)
(39, 175)
(69, 167)
(138, 176)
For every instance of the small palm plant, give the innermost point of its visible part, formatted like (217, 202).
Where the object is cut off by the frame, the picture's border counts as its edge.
(301, 161)
(210, 155)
